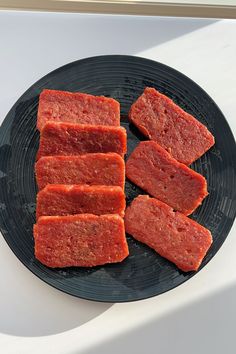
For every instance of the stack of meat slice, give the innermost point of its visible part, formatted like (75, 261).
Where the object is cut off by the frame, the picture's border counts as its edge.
(80, 174)
(159, 166)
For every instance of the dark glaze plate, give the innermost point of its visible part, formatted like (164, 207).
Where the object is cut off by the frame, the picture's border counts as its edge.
(144, 273)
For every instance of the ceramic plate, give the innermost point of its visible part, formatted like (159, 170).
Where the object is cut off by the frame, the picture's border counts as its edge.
(143, 274)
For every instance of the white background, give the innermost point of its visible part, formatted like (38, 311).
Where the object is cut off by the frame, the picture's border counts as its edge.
(200, 315)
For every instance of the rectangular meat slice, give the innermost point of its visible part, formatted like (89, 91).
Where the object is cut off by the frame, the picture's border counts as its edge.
(77, 107)
(153, 169)
(161, 120)
(60, 199)
(74, 139)
(171, 234)
(83, 240)
(92, 169)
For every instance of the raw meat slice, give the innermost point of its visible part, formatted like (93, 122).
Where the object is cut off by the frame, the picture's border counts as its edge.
(92, 169)
(161, 120)
(171, 234)
(75, 139)
(83, 240)
(60, 199)
(153, 169)
(77, 107)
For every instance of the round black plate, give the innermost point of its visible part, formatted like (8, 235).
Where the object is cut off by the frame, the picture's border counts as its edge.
(143, 274)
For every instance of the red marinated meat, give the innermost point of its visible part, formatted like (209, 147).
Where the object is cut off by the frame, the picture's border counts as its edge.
(60, 199)
(75, 139)
(153, 169)
(92, 169)
(83, 240)
(80, 108)
(161, 120)
(171, 234)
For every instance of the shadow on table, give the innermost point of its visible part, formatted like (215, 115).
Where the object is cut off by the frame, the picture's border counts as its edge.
(206, 326)
(29, 307)
(94, 35)
(131, 34)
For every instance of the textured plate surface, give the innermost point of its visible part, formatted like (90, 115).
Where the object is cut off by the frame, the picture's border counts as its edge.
(143, 274)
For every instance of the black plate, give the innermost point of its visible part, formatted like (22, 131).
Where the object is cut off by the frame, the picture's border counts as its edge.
(143, 274)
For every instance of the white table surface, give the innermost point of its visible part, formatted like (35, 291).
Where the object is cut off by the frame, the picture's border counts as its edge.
(198, 316)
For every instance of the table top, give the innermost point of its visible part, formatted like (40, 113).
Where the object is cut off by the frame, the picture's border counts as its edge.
(35, 318)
